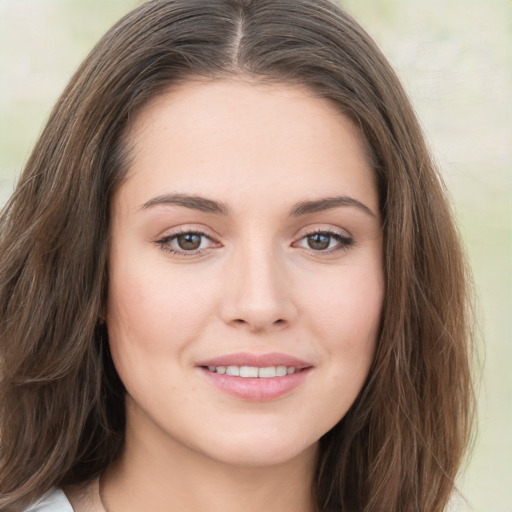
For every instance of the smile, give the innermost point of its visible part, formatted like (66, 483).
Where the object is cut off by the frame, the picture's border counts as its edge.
(266, 372)
(256, 377)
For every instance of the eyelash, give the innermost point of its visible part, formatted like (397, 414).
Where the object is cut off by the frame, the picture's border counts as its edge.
(164, 242)
(344, 242)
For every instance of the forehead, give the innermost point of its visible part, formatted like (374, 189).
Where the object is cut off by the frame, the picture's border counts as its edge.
(248, 138)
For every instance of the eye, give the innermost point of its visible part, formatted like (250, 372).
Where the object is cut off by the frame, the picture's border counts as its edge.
(189, 241)
(185, 243)
(325, 241)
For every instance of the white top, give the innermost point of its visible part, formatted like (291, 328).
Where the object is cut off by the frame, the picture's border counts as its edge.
(54, 501)
(85, 498)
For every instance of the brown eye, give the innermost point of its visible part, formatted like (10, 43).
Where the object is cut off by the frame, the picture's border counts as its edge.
(325, 241)
(319, 241)
(189, 241)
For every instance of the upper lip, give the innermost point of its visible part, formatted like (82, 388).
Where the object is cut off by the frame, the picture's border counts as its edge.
(258, 360)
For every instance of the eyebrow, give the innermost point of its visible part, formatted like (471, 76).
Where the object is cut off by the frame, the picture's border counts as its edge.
(211, 206)
(194, 202)
(328, 203)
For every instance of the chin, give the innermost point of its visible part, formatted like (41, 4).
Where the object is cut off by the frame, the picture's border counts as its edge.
(255, 457)
(260, 449)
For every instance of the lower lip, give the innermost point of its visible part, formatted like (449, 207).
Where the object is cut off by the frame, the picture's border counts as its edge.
(254, 388)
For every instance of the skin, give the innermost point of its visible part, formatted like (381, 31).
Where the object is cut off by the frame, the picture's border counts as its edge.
(255, 286)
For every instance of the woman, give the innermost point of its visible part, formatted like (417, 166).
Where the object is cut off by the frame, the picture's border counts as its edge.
(231, 279)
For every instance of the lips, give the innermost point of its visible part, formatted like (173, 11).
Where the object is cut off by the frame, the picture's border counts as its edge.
(255, 377)
(258, 360)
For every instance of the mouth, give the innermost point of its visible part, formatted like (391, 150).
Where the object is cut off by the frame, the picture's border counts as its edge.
(266, 372)
(256, 377)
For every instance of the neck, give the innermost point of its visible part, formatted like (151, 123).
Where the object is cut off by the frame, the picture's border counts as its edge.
(161, 477)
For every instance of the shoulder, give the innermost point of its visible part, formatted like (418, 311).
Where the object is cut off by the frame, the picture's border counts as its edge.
(54, 501)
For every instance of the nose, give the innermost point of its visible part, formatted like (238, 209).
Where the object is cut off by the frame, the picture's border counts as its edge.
(258, 292)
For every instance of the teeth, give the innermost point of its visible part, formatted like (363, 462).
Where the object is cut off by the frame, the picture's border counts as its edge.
(253, 371)
(233, 370)
(248, 371)
(280, 371)
(265, 373)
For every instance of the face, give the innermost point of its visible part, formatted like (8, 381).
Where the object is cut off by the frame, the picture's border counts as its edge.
(246, 278)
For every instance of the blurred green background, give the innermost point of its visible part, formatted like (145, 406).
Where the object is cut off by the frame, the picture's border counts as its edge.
(455, 59)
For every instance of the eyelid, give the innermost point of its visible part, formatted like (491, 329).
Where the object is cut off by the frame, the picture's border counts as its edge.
(323, 228)
(311, 229)
(345, 240)
(163, 241)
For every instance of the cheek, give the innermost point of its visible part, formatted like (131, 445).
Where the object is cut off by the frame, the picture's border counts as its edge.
(346, 318)
(347, 307)
(154, 317)
(346, 321)
(150, 304)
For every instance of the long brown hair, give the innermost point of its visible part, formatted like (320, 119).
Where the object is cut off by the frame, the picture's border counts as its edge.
(61, 402)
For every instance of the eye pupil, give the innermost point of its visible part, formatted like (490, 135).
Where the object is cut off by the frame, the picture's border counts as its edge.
(319, 241)
(189, 241)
